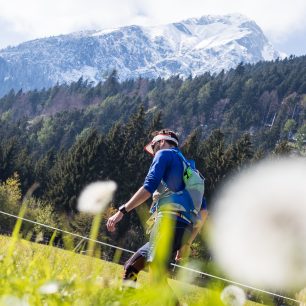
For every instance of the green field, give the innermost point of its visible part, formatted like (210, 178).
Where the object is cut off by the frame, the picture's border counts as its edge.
(35, 274)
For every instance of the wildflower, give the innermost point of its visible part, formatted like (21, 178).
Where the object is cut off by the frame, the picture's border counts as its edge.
(8, 300)
(96, 196)
(259, 228)
(49, 287)
(233, 296)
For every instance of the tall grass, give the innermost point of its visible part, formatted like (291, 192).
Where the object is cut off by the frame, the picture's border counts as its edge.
(34, 274)
(44, 275)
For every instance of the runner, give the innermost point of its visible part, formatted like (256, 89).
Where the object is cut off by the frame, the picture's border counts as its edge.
(166, 180)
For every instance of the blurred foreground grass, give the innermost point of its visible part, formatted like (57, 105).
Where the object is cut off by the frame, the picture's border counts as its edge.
(36, 274)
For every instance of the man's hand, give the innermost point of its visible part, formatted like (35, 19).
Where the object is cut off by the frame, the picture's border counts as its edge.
(113, 220)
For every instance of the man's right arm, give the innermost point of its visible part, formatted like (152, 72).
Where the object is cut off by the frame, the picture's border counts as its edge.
(152, 181)
(138, 198)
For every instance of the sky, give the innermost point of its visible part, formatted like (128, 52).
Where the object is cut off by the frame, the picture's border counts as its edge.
(282, 21)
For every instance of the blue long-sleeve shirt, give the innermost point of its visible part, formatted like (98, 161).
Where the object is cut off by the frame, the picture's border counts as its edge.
(166, 166)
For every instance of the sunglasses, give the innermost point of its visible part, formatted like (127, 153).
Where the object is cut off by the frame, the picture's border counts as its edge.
(153, 144)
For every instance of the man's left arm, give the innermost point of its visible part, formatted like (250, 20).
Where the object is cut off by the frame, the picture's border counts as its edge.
(184, 251)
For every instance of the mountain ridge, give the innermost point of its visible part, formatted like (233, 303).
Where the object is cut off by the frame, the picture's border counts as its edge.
(189, 47)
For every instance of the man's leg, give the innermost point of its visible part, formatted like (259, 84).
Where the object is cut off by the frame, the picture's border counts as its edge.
(136, 263)
(180, 232)
(176, 232)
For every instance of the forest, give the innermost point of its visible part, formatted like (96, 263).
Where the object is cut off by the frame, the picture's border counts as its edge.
(70, 135)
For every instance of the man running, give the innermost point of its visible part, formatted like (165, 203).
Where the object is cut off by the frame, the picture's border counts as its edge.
(174, 202)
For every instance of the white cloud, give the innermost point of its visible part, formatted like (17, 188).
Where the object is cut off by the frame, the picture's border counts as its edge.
(32, 18)
(9, 35)
(35, 18)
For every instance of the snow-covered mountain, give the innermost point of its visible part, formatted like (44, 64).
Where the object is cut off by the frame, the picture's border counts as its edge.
(189, 47)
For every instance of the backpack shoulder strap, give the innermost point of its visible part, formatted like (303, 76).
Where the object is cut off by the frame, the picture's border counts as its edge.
(182, 157)
(186, 162)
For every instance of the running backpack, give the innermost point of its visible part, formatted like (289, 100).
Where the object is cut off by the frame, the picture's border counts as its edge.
(188, 202)
(194, 183)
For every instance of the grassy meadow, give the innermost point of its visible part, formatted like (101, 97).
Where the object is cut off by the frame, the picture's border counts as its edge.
(36, 274)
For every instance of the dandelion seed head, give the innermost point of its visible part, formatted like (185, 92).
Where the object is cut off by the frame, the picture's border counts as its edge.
(49, 287)
(233, 296)
(259, 228)
(9, 300)
(96, 196)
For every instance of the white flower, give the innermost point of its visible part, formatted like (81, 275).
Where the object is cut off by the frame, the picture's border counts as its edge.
(96, 196)
(233, 296)
(259, 225)
(49, 287)
(9, 300)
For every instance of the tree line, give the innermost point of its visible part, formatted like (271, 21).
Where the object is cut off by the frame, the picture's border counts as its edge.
(70, 135)
(114, 155)
(267, 99)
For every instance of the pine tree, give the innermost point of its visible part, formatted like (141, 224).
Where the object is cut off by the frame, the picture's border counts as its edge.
(111, 86)
(114, 155)
(192, 149)
(241, 152)
(8, 151)
(74, 170)
(216, 165)
(282, 148)
(125, 154)
(41, 171)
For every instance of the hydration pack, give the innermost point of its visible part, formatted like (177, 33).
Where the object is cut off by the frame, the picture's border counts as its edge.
(188, 201)
(194, 183)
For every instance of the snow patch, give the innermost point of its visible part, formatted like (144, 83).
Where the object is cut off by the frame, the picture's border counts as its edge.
(87, 72)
